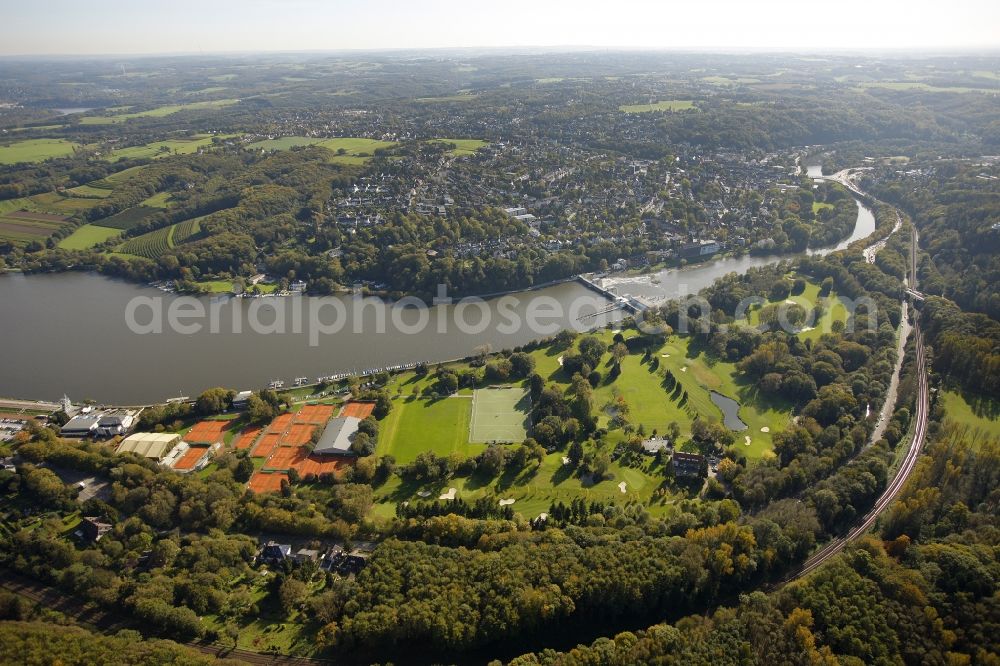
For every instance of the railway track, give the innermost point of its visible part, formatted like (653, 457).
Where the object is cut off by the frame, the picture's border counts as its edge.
(909, 460)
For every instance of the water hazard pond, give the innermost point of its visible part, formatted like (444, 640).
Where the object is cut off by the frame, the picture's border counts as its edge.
(730, 411)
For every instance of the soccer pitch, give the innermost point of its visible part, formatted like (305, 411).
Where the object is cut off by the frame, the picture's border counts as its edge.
(499, 415)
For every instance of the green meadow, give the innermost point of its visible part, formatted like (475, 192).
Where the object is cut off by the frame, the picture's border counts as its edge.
(977, 413)
(158, 149)
(463, 147)
(663, 105)
(35, 150)
(346, 150)
(88, 236)
(158, 112)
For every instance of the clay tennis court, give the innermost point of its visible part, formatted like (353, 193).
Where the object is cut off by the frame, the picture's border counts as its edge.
(361, 410)
(206, 432)
(280, 423)
(286, 457)
(190, 458)
(317, 465)
(297, 434)
(248, 437)
(265, 445)
(266, 482)
(315, 414)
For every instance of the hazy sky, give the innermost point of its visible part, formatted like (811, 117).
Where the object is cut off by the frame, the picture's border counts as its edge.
(157, 26)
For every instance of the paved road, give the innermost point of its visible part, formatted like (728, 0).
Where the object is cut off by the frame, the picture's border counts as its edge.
(909, 460)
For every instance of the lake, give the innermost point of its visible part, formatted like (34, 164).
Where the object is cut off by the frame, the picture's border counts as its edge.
(67, 333)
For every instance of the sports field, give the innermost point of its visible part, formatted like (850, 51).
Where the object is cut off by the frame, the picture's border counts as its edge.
(248, 437)
(206, 432)
(499, 415)
(440, 426)
(359, 410)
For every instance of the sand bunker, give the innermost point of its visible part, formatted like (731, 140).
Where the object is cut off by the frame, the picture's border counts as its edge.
(424, 493)
(622, 486)
(747, 442)
(765, 429)
(505, 502)
(450, 495)
(565, 460)
(684, 369)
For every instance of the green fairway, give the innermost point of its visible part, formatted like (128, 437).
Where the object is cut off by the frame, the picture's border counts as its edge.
(538, 486)
(35, 150)
(652, 406)
(87, 236)
(977, 413)
(834, 310)
(417, 425)
(500, 415)
(819, 205)
(463, 147)
(663, 105)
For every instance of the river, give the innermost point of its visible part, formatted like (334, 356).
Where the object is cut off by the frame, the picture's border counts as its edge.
(67, 333)
(671, 283)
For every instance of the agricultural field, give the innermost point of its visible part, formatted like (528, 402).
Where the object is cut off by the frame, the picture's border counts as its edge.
(11, 205)
(158, 200)
(158, 112)
(461, 97)
(35, 150)
(464, 147)
(346, 150)
(56, 203)
(119, 177)
(127, 218)
(23, 226)
(663, 105)
(923, 87)
(159, 149)
(88, 236)
(155, 243)
(90, 191)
